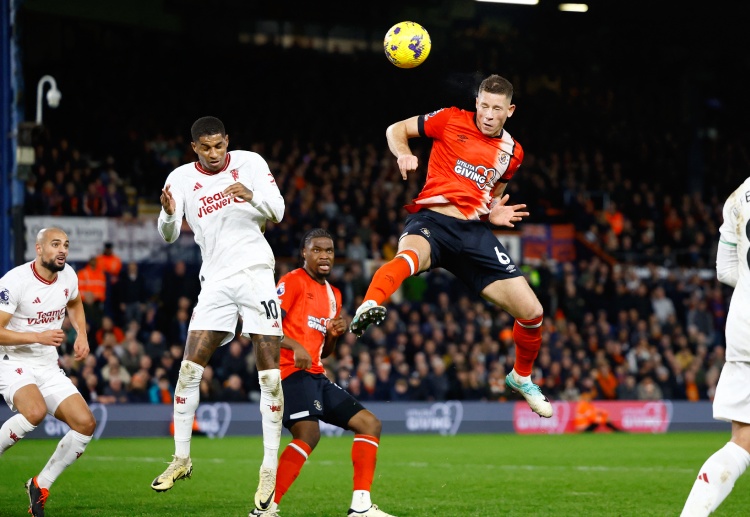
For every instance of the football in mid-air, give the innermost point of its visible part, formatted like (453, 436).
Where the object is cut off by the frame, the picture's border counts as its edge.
(407, 44)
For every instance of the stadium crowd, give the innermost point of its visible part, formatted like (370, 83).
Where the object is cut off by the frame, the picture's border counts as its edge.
(638, 315)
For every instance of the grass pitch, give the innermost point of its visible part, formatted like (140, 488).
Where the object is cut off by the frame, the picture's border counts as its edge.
(417, 475)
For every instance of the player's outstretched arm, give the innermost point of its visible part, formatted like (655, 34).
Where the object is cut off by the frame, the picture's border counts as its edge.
(398, 135)
(170, 217)
(78, 321)
(505, 215)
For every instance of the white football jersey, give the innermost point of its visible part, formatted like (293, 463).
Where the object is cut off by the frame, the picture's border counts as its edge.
(735, 232)
(36, 305)
(229, 231)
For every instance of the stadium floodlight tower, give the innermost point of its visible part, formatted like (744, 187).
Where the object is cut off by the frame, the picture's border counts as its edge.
(53, 96)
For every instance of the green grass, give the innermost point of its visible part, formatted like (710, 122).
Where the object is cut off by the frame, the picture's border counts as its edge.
(476, 475)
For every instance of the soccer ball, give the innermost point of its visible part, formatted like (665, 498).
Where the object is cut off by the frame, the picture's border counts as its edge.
(407, 44)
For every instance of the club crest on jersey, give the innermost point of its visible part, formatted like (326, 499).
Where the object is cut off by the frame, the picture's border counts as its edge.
(504, 158)
(479, 174)
(4, 297)
(66, 292)
(235, 174)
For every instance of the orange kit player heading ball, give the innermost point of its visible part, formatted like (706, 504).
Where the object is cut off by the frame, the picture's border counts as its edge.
(312, 323)
(451, 221)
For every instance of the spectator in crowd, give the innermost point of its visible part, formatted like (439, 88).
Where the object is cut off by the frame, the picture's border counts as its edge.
(161, 391)
(91, 279)
(233, 390)
(132, 294)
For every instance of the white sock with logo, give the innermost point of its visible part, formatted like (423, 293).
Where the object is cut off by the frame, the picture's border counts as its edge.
(68, 450)
(271, 412)
(186, 399)
(715, 480)
(13, 430)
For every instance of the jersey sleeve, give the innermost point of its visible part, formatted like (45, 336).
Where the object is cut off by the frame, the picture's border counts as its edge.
(267, 198)
(288, 290)
(10, 294)
(169, 225)
(727, 261)
(432, 124)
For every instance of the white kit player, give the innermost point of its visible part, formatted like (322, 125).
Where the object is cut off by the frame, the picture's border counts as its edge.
(731, 403)
(34, 299)
(226, 198)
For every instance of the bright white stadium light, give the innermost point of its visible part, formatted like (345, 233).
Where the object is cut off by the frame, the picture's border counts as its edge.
(573, 8)
(518, 2)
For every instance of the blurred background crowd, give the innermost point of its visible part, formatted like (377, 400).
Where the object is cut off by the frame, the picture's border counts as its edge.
(640, 172)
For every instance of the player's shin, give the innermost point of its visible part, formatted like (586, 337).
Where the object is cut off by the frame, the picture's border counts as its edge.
(364, 457)
(69, 449)
(271, 411)
(186, 399)
(15, 428)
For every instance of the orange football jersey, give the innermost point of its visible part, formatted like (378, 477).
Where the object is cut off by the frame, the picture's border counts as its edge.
(307, 309)
(465, 165)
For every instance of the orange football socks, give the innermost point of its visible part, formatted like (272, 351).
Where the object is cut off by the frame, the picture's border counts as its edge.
(528, 337)
(294, 456)
(389, 277)
(364, 455)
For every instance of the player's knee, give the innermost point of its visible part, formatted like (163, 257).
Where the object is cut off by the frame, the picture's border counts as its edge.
(35, 413)
(367, 423)
(87, 426)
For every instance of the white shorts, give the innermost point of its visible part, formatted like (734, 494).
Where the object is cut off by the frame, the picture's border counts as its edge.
(732, 398)
(51, 381)
(250, 293)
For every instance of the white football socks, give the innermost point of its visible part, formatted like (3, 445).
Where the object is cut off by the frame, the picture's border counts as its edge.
(186, 399)
(68, 450)
(361, 501)
(715, 480)
(271, 412)
(13, 430)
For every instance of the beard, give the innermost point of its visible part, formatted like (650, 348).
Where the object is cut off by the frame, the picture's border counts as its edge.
(52, 266)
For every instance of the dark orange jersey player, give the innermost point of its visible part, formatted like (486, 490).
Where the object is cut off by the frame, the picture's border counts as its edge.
(310, 309)
(307, 307)
(450, 223)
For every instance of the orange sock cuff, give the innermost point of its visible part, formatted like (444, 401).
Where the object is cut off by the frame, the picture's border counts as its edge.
(528, 337)
(389, 277)
(290, 463)
(364, 457)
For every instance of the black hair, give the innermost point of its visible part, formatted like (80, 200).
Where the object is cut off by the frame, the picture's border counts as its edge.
(309, 236)
(207, 126)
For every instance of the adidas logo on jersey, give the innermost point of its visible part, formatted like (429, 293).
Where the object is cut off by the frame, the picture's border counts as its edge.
(37, 300)
(197, 186)
(275, 324)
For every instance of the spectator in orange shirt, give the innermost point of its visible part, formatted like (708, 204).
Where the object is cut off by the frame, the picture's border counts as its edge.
(588, 418)
(110, 263)
(92, 279)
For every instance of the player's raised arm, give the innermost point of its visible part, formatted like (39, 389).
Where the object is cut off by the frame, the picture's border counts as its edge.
(170, 217)
(398, 135)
